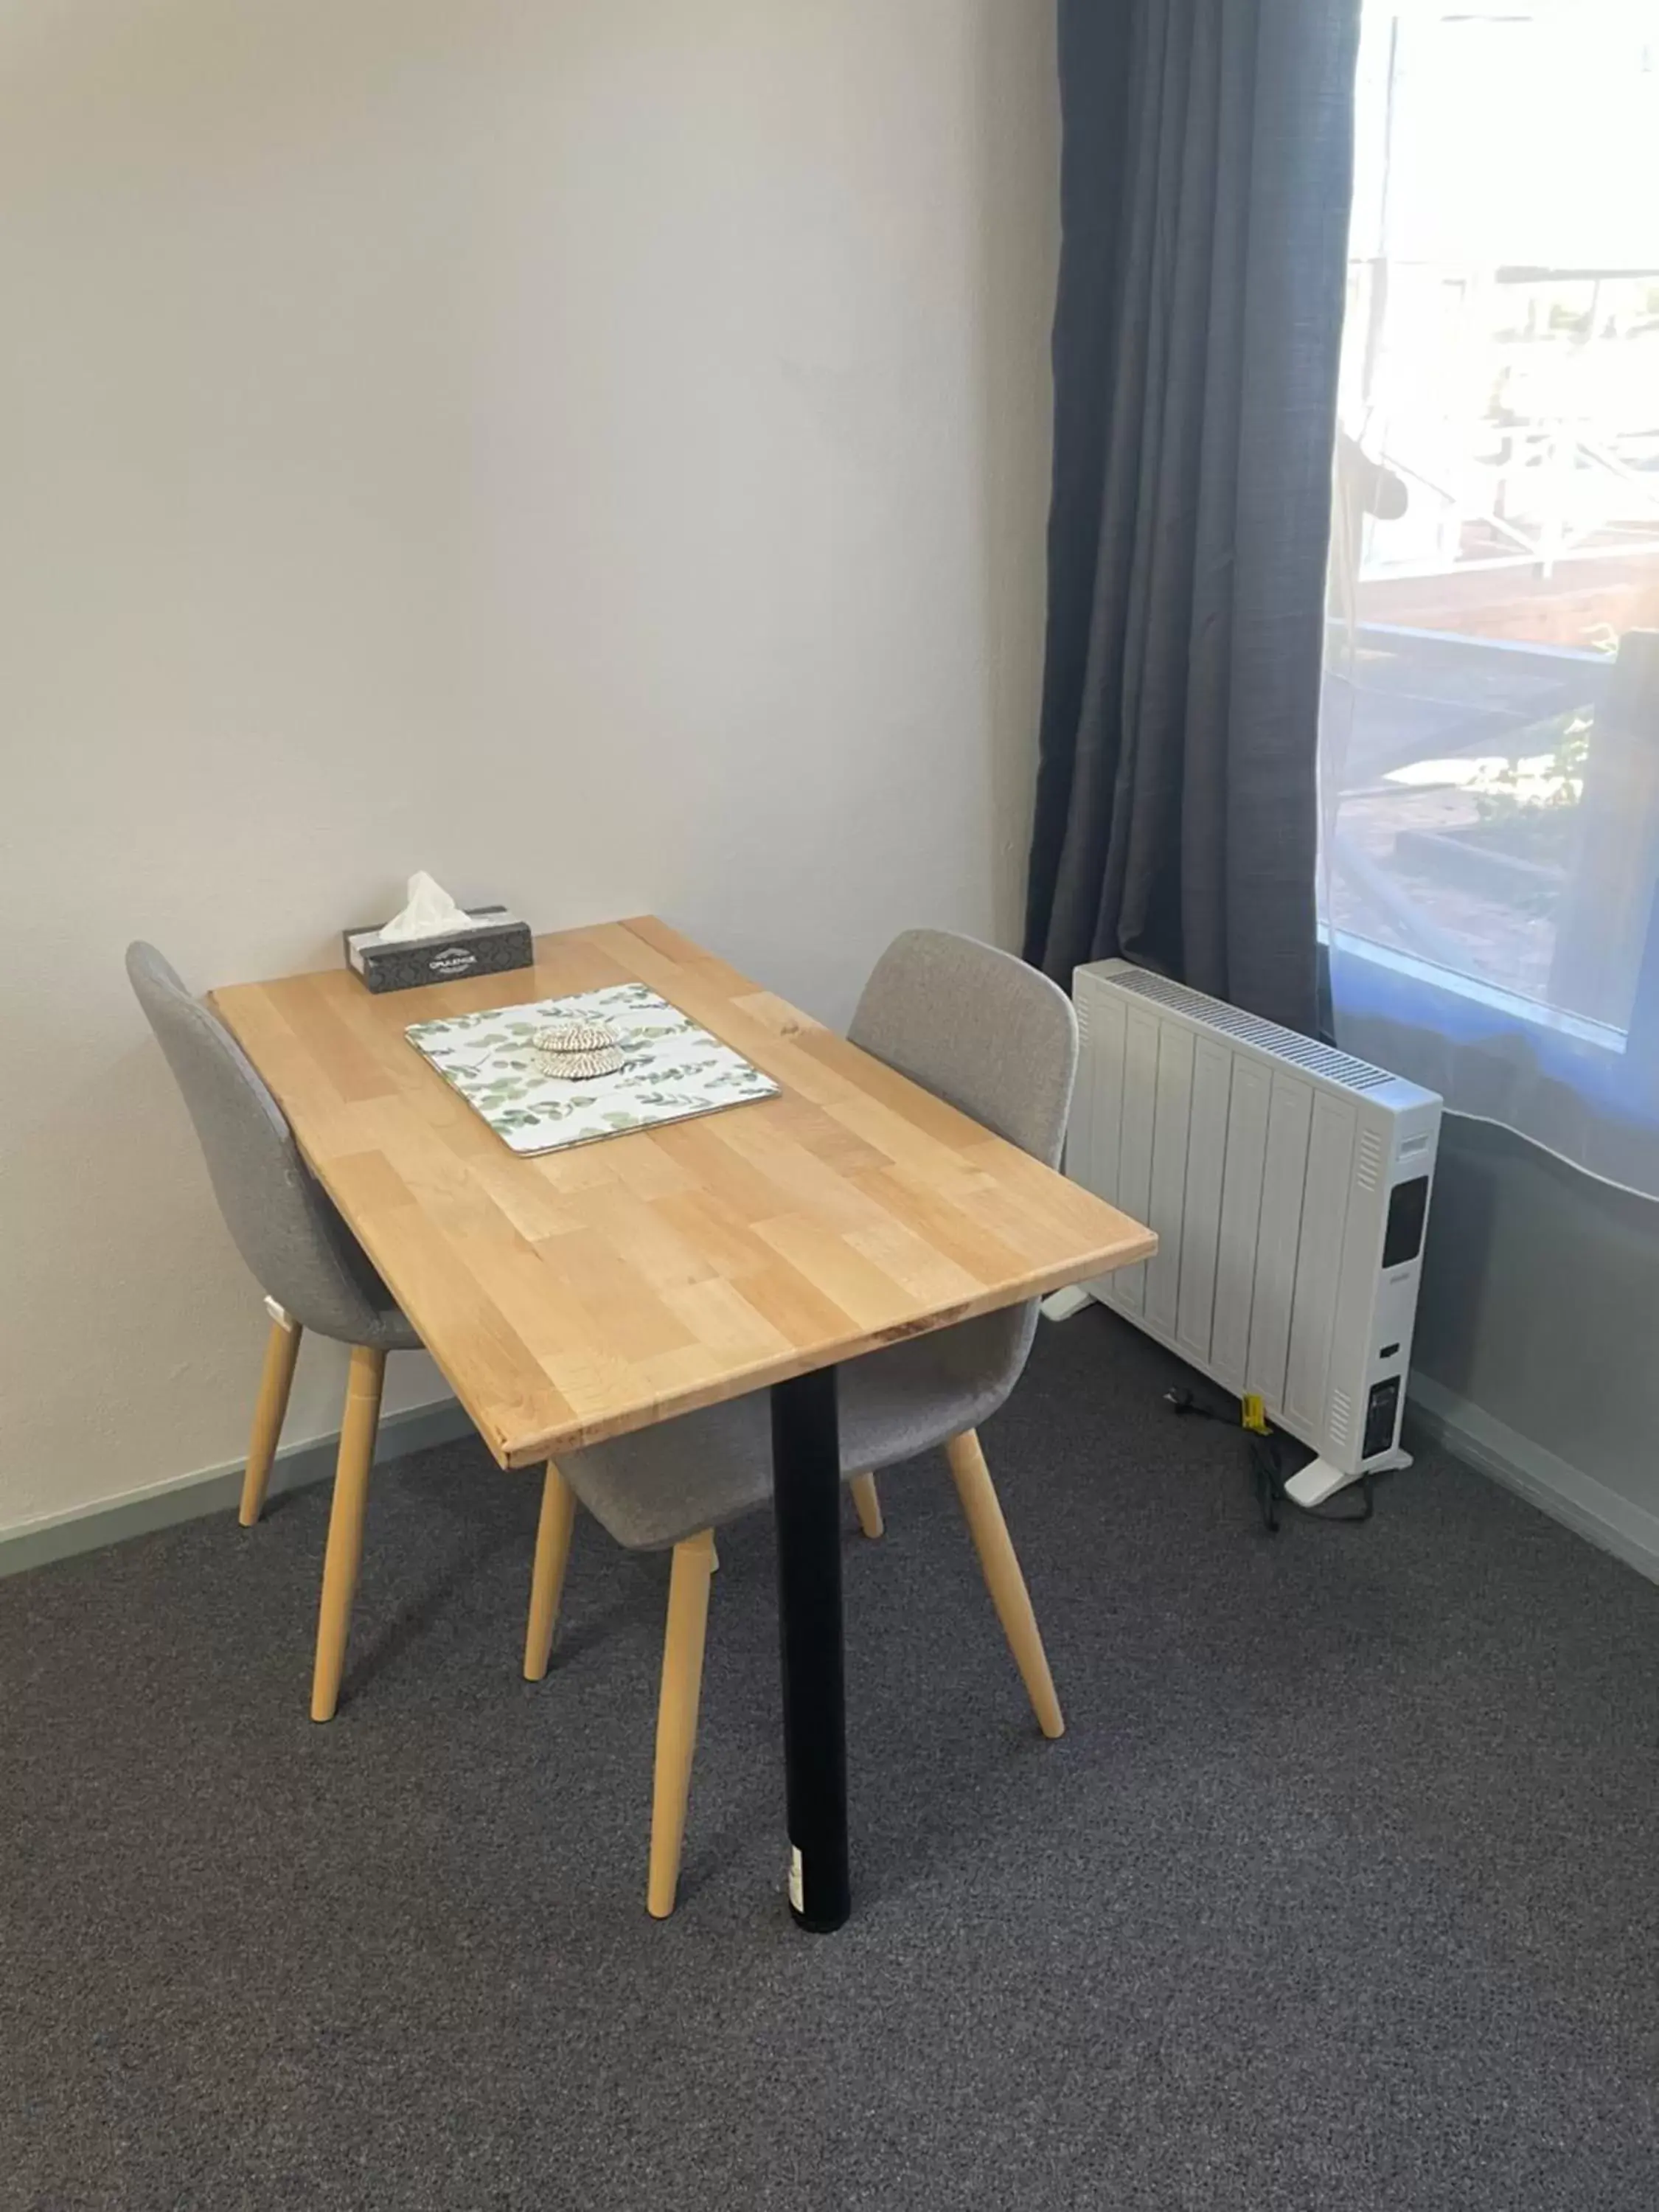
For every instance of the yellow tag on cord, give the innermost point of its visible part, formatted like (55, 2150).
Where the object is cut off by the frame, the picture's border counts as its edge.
(1253, 1413)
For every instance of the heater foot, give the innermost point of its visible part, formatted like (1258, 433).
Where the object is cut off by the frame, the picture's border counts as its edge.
(1319, 1480)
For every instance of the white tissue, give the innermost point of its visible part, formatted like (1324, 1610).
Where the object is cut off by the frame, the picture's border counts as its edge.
(430, 912)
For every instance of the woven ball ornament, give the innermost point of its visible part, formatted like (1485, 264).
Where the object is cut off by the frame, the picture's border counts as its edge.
(577, 1051)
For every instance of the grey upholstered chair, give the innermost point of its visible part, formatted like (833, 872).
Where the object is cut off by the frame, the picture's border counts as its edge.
(313, 1271)
(996, 1039)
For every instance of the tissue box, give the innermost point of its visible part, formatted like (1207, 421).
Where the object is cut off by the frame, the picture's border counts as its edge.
(494, 942)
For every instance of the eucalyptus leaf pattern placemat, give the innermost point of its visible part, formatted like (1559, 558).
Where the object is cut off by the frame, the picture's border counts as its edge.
(673, 1069)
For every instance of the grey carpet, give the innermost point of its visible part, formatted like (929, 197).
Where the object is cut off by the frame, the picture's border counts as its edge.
(1341, 1892)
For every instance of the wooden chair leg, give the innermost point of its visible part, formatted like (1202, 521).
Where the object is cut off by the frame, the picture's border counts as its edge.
(547, 1576)
(345, 1525)
(281, 1350)
(1003, 1577)
(866, 1503)
(677, 1715)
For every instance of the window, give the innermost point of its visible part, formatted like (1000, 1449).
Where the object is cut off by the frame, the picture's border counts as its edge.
(1490, 727)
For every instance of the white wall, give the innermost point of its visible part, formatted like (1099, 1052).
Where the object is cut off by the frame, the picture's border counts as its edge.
(1533, 1350)
(593, 449)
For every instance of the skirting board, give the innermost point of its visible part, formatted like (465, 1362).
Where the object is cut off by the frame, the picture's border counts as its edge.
(215, 1489)
(1588, 1507)
(1438, 1416)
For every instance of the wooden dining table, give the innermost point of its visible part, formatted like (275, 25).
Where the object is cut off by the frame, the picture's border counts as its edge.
(576, 1295)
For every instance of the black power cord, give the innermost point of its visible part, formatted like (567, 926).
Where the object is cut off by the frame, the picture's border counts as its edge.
(1268, 1470)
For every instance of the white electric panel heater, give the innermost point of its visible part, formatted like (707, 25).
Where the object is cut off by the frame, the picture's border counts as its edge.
(1288, 1183)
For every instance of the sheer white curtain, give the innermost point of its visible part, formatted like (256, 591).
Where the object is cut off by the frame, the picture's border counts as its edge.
(1490, 726)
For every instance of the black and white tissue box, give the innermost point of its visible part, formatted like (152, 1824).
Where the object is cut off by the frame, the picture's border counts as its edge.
(493, 943)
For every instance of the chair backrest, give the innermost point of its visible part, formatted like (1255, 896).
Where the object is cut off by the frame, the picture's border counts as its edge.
(285, 1227)
(977, 1027)
(996, 1039)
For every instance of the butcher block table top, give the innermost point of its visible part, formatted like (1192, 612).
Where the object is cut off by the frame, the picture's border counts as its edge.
(578, 1295)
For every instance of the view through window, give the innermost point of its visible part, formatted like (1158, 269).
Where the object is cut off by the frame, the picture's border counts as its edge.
(1490, 730)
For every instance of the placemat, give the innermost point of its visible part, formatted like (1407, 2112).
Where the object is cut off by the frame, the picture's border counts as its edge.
(673, 1069)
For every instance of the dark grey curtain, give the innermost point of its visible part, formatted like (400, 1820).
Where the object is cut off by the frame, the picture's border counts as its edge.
(1205, 187)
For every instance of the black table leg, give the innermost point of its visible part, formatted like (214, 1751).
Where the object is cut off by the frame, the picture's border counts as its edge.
(806, 1481)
